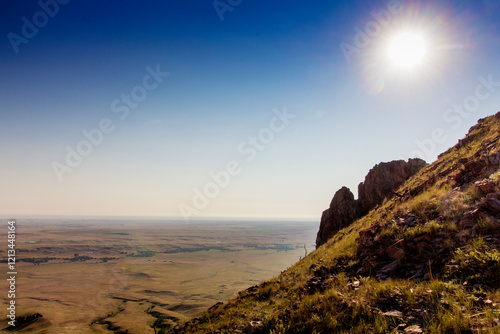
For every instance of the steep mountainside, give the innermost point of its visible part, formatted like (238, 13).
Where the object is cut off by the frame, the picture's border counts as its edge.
(380, 183)
(427, 261)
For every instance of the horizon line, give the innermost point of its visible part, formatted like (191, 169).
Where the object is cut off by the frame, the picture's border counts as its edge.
(201, 218)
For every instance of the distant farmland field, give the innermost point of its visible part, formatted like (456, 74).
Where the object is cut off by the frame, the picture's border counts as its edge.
(103, 276)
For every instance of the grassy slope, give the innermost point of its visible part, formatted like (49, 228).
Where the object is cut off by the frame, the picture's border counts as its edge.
(344, 286)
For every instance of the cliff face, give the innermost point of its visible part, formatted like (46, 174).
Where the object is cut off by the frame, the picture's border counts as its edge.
(381, 182)
(342, 212)
(384, 179)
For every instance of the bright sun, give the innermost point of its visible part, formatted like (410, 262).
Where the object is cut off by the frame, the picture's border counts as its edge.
(407, 50)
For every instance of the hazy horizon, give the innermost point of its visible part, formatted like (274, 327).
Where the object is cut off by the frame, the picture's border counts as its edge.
(166, 218)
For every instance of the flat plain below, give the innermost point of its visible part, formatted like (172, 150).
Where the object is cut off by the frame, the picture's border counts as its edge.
(108, 276)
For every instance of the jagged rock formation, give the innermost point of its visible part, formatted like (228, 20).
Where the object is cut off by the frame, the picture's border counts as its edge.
(342, 212)
(381, 182)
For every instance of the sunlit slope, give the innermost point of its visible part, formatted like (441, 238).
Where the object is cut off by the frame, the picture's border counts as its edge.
(426, 261)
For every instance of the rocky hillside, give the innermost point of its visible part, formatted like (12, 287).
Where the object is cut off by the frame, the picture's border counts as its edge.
(381, 182)
(426, 261)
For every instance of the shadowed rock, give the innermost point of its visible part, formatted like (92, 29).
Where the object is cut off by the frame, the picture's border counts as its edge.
(342, 212)
(383, 179)
(381, 182)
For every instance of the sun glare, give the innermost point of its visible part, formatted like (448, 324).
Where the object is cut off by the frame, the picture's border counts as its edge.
(407, 50)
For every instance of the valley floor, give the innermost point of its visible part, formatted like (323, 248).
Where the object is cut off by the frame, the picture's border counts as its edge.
(109, 276)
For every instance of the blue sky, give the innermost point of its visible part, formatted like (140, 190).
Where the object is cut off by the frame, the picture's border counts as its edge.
(227, 80)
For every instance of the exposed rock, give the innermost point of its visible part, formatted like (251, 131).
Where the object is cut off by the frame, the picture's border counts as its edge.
(366, 235)
(315, 284)
(216, 306)
(469, 219)
(254, 327)
(251, 291)
(396, 251)
(415, 329)
(486, 186)
(381, 182)
(475, 169)
(492, 202)
(394, 313)
(400, 327)
(342, 212)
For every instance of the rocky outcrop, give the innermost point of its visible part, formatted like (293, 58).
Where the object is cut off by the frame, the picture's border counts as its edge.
(381, 182)
(342, 212)
(383, 179)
